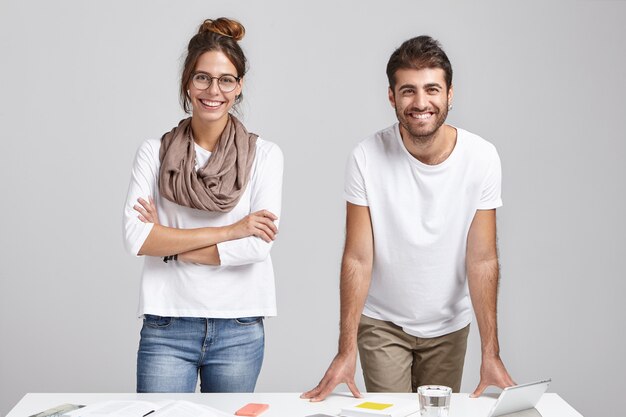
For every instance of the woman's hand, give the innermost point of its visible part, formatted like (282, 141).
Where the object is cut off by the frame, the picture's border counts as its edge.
(259, 224)
(147, 211)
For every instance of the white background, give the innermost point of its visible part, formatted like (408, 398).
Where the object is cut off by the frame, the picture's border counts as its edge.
(83, 83)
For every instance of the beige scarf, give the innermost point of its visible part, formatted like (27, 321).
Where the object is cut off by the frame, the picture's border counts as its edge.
(218, 186)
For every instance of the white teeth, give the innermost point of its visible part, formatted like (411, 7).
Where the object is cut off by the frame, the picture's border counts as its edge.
(421, 116)
(210, 103)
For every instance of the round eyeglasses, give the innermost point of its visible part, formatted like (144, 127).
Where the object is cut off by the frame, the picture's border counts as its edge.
(226, 82)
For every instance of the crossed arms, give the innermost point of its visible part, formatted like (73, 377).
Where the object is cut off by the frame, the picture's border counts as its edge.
(245, 241)
(200, 245)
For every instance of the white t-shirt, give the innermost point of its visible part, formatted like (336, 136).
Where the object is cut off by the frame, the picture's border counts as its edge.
(243, 285)
(421, 215)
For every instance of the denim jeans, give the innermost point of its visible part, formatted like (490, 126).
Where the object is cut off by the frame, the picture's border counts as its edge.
(227, 353)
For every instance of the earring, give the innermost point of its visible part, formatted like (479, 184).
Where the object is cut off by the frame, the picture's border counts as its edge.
(450, 107)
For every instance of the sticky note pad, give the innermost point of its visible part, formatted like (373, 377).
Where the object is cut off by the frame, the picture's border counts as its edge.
(374, 406)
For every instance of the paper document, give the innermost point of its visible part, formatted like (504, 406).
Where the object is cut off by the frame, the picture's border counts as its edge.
(141, 408)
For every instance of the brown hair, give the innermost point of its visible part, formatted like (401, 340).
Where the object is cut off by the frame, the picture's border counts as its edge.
(221, 35)
(419, 53)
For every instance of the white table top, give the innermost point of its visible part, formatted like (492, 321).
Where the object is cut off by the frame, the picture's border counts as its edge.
(282, 404)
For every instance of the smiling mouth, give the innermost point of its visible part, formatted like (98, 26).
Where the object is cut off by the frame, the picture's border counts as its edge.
(210, 104)
(421, 116)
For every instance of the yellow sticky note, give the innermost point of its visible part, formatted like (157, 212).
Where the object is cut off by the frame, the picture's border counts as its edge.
(374, 406)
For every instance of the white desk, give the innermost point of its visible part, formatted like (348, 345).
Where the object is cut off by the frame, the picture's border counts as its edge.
(282, 404)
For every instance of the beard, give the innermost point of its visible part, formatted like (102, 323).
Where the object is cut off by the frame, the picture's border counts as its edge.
(420, 131)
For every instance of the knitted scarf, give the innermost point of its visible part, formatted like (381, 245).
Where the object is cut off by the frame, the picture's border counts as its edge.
(218, 186)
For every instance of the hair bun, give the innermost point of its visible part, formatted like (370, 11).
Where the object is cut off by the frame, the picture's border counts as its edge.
(225, 27)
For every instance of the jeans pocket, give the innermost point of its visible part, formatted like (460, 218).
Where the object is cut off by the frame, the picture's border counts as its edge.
(246, 321)
(157, 322)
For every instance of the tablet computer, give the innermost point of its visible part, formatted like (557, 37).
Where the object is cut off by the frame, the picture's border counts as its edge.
(519, 397)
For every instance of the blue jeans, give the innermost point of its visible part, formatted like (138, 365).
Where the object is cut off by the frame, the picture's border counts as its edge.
(227, 353)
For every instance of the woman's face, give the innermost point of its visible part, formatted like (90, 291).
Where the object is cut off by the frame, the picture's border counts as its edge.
(212, 104)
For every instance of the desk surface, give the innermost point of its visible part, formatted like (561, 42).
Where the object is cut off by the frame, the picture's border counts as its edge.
(282, 404)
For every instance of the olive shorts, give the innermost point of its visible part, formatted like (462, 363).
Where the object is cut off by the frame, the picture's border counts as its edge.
(394, 361)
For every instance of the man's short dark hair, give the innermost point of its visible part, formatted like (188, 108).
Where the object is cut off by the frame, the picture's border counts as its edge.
(419, 53)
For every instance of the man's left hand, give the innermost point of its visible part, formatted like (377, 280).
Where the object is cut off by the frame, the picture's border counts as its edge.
(492, 372)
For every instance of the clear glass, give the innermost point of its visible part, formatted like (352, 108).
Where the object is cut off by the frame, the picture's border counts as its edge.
(226, 82)
(434, 400)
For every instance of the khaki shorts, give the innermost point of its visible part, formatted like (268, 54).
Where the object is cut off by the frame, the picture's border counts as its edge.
(394, 361)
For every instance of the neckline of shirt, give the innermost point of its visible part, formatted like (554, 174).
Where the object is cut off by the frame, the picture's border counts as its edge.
(420, 164)
(202, 156)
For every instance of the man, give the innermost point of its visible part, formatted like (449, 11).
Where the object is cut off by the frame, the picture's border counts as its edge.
(420, 240)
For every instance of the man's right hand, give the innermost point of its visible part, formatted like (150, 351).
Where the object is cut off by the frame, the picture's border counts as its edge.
(341, 370)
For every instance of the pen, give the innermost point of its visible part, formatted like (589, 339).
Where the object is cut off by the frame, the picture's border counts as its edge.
(149, 412)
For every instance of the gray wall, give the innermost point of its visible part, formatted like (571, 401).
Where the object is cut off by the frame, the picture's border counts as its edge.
(83, 83)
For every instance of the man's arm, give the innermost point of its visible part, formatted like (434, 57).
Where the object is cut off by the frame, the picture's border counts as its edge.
(482, 275)
(356, 273)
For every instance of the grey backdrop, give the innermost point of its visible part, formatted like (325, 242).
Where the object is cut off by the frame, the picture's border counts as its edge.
(83, 83)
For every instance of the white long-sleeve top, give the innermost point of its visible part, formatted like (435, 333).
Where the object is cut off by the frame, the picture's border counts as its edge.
(243, 285)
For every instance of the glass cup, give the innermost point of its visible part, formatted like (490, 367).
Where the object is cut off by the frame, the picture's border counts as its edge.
(434, 400)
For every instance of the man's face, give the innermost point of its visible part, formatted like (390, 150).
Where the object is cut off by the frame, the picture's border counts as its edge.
(421, 101)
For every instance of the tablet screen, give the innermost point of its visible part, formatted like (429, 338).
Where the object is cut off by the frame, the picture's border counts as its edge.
(519, 397)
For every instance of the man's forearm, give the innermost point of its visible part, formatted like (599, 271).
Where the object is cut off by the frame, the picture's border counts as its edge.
(355, 282)
(483, 285)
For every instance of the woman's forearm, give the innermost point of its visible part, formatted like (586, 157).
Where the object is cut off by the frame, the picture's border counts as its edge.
(164, 241)
(198, 245)
(206, 256)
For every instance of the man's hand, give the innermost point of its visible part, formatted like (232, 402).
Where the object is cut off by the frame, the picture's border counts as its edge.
(492, 372)
(341, 370)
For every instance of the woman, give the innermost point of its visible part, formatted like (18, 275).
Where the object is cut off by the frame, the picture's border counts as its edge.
(202, 208)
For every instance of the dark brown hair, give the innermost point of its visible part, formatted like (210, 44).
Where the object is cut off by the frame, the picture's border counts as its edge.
(419, 53)
(213, 35)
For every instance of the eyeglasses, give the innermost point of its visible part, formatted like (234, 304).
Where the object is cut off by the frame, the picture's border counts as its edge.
(226, 82)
